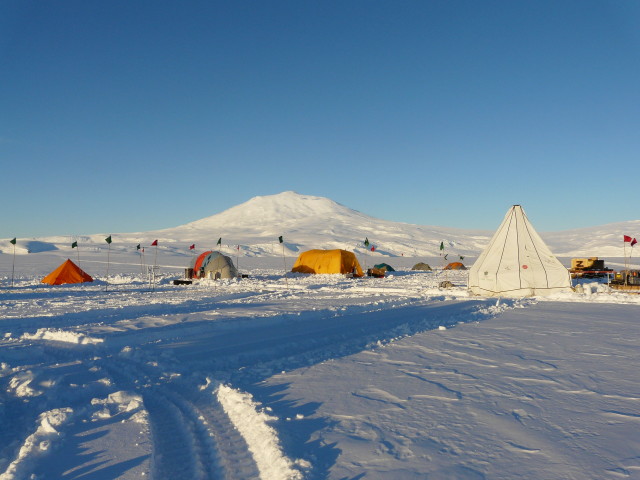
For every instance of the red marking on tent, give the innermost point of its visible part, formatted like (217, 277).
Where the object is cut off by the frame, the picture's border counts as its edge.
(199, 261)
(525, 266)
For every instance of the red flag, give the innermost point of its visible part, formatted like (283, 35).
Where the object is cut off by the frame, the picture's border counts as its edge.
(633, 242)
(627, 238)
(192, 246)
(155, 243)
(373, 249)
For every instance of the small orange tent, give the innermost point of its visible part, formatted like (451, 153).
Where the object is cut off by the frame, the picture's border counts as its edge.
(327, 261)
(455, 266)
(68, 272)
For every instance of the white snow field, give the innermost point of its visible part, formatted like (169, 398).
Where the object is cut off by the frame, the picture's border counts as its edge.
(308, 377)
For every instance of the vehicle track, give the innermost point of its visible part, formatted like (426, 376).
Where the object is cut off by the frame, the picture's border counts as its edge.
(192, 436)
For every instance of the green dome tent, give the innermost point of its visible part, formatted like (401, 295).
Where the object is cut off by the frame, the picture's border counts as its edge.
(421, 266)
(384, 266)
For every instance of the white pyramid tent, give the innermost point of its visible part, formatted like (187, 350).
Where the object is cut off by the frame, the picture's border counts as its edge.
(517, 262)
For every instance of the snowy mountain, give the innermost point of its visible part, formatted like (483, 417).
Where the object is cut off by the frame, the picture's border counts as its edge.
(307, 222)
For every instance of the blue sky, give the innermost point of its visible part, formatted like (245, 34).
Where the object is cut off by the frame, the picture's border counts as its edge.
(128, 116)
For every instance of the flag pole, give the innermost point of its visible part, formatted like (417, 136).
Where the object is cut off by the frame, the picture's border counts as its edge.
(155, 263)
(238, 258)
(108, 240)
(284, 262)
(444, 259)
(13, 268)
(366, 258)
(140, 255)
(626, 267)
(366, 254)
(633, 242)
(74, 244)
(192, 248)
(148, 269)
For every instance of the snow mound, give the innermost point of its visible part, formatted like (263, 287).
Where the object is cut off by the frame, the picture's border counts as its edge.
(20, 385)
(262, 439)
(119, 402)
(61, 336)
(38, 443)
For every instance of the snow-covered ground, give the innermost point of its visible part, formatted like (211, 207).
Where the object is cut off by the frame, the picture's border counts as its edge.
(312, 377)
(295, 377)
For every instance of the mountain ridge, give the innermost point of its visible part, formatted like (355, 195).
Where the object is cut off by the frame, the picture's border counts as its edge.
(307, 222)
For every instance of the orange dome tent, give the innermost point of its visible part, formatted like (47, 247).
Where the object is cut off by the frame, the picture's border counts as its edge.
(68, 272)
(455, 266)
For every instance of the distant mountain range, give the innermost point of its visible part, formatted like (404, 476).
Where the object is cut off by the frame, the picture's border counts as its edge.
(307, 222)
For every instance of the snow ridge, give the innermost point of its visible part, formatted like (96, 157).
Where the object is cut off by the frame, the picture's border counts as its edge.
(39, 443)
(261, 438)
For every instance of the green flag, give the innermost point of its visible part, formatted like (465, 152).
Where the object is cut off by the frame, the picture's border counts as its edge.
(13, 241)
(461, 257)
(280, 239)
(366, 242)
(441, 245)
(108, 239)
(74, 244)
(137, 247)
(219, 241)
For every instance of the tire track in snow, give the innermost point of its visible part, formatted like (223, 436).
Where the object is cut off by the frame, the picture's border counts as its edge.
(192, 436)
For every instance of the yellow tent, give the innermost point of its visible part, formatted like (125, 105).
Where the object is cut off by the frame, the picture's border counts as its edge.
(68, 272)
(327, 261)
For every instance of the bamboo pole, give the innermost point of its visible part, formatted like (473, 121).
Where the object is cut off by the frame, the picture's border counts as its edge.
(626, 265)
(13, 268)
(108, 240)
(155, 263)
(284, 262)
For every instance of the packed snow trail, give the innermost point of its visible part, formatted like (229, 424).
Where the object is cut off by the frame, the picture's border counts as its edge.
(162, 346)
